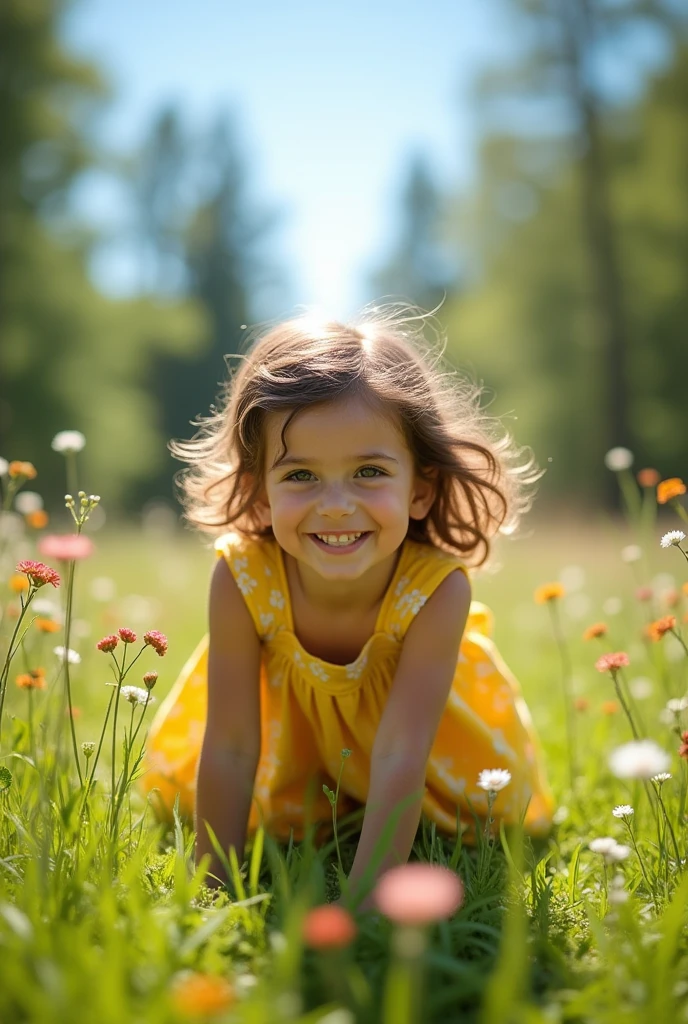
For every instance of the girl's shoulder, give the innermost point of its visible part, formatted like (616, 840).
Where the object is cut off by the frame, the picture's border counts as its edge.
(253, 562)
(420, 570)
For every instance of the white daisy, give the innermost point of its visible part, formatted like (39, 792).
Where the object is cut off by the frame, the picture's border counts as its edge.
(623, 811)
(661, 777)
(618, 459)
(494, 779)
(136, 695)
(602, 845)
(639, 759)
(68, 441)
(73, 657)
(672, 537)
(677, 705)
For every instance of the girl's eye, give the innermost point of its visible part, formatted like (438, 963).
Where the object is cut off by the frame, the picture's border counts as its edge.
(295, 474)
(375, 470)
(371, 472)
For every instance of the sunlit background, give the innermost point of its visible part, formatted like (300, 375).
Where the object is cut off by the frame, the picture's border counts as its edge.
(175, 174)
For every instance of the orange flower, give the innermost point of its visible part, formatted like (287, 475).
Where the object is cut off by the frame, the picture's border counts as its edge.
(581, 703)
(656, 630)
(648, 477)
(609, 707)
(548, 592)
(597, 629)
(38, 519)
(201, 994)
(668, 489)
(670, 598)
(47, 626)
(18, 583)
(26, 469)
(34, 679)
(76, 712)
(328, 927)
(684, 588)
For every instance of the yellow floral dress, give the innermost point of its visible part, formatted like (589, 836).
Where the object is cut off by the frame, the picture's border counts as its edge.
(312, 709)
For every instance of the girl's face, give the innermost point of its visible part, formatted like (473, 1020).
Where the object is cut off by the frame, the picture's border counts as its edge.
(341, 496)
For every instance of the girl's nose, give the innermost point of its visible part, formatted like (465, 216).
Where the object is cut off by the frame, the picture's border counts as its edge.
(335, 501)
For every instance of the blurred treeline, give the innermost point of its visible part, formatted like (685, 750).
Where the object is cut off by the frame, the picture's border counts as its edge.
(565, 270)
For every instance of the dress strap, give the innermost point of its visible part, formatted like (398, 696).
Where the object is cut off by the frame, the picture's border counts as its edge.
(420, 571)
(255, 566)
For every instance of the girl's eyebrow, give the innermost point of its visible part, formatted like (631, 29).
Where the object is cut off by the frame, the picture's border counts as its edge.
(292, 460)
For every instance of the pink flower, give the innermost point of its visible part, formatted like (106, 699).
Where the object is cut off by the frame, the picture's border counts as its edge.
(643, 593)
(127, 635)
(328, 927)
(39, 573)
(66, 547)
(417, 894)
(157, 640)
(612, 662)
(108, 643)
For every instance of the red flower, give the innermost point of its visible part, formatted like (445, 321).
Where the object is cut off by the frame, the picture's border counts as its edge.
(644, 593)
(67, 547)
(108, 643)
(328, 927)
(612, 662)
(150, 679)
(39, 573)
(127, 635)
(157, 640)
(683, 749)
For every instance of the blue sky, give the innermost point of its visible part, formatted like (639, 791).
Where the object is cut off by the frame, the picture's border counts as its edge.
(331, 101)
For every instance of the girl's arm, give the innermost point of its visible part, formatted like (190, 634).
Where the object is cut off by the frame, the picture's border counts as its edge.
(409, 723)
(231, 743)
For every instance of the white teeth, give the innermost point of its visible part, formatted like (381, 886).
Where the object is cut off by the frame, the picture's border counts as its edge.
(341, 541)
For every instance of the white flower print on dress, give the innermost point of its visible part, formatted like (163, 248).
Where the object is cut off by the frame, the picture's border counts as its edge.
(443, 768)
(246, 583)
(412, 602)
(277, 599)
(266, 620)
(354, 670)
(298, 659)
(318, 671)
(267, 570)
(400, 585)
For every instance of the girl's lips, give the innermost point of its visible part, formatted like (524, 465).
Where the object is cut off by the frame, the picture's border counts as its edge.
(340, 548)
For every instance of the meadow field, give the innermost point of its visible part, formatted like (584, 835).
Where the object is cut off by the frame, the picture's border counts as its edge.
(104, 917)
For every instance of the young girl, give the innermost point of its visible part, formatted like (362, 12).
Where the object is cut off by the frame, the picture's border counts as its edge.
(360, 482)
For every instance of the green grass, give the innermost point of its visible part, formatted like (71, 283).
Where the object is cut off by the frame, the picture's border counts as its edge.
(94, 927)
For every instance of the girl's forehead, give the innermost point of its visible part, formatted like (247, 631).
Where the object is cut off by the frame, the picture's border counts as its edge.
(344, 424)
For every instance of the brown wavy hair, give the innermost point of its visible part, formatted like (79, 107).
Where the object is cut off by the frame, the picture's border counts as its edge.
(483, 486)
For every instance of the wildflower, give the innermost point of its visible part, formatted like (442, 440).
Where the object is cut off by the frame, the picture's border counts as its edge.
(38, 573)
(673, 537)
(25, 469)
(197, 994)
(67, 653)
(656, 630)
(623, 811)
(28, 501)
(4, 466)
(609, 707)
(596, 630)
(644, 594)
(135, 695)
(18, 584)
(37, 520)
(150, 679)
(639, 759)
(47, 626)
(683, 749)
(157, 640)
(34, 679)
(67, 547)
(648, 477)
(581, 703)
(127, 635)
(631, 553)
(619, 852)
(661, 777)
(674, 487)
(108, 643)
(68, 441)
(603, 845)
(328, 927)
(618, 459)
(88, 748)
(418, 893)
(677, 705)
(548, 592)
(494, 779)
(684, 588)
(612, 662)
